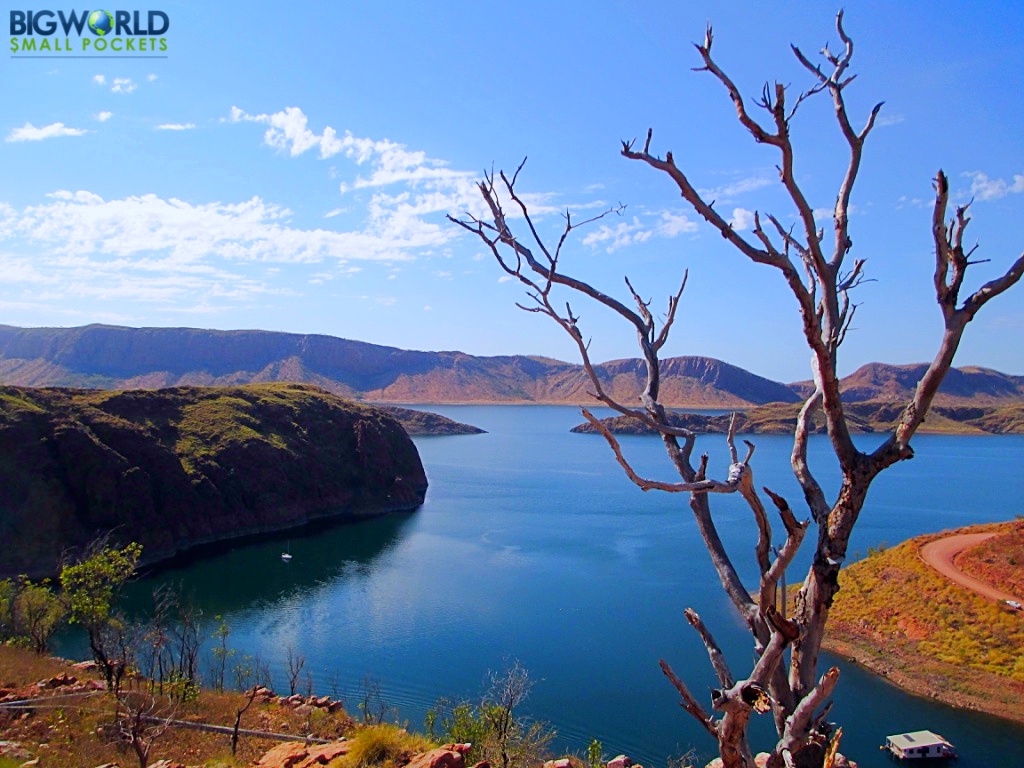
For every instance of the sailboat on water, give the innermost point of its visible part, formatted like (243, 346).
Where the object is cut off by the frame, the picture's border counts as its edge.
(286, 556)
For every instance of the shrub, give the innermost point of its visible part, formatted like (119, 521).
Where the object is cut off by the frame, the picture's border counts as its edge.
(382, 745)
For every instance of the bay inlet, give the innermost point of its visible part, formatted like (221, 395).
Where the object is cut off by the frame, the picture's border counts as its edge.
(533, 546)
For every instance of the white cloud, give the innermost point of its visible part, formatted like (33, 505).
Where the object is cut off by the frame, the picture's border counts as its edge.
(621, 235)
(176, 127)
(99, 79)
(81, 196)
(409, 189)
(730, 191)
(173, 234)
(392, 162)
(626, 233)
(673, 224)
(167, 253)
(104, 116)
(505, 279)
(123, 85)
(29, 132)
(151, 77)
(742, 219)
(984, 188)
(289, 130)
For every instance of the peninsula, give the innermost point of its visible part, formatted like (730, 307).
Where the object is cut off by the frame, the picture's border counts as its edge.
(177, 468)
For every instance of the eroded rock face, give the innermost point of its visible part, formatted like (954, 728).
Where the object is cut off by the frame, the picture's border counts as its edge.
(442, 757)
(296, 754)
(176, 468)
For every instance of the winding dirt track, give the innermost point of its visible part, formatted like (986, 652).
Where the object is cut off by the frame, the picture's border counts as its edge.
(939, 555)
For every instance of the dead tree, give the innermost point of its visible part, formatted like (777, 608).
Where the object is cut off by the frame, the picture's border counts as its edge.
(816, 270)
(142, 719)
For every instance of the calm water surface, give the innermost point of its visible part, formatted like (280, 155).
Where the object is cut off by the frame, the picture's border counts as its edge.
(533, 546)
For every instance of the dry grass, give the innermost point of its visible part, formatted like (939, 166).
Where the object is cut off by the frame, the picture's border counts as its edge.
(382, 745)
(900, 617)
(81, 733)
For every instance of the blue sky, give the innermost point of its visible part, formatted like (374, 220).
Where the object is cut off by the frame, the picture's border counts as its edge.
(288, 167)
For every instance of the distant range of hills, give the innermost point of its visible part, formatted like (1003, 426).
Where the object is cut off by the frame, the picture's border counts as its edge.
(110, 357)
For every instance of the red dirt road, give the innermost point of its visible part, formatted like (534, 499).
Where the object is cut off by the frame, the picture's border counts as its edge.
(939, 555)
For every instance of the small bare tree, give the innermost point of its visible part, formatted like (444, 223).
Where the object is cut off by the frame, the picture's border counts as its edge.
(820, 280)
(142, 719)
(249, 698)
(296, 661)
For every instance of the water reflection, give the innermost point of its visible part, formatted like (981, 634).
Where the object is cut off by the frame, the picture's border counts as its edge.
(245, 576)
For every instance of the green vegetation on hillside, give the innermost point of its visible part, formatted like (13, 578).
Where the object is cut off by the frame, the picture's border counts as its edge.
(179, 467)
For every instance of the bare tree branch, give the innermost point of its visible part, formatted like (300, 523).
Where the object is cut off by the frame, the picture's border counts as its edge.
(689, 703)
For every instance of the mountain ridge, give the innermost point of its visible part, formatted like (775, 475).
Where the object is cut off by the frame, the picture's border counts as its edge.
(118, 357)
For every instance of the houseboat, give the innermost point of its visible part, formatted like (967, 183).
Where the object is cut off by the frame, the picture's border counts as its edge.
(919, 744)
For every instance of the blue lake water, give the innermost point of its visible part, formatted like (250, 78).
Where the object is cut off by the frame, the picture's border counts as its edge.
(532, 545)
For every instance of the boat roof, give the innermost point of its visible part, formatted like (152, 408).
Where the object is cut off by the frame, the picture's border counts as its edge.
(916, 739)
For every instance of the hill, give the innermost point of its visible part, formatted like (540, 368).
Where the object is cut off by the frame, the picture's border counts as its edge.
(901, 618)
(962, 386)
(780, 419)
(182, 467)
(126, 358)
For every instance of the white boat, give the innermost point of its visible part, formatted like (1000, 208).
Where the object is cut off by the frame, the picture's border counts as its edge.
(918, 745)
(286, 556)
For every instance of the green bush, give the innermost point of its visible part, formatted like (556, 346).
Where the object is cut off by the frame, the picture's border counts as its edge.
(498, 733)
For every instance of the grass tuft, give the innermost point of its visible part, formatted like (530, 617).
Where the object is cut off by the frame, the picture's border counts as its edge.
(382, 746)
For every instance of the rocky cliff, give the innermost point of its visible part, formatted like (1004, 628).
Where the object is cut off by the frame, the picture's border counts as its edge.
(181, 467)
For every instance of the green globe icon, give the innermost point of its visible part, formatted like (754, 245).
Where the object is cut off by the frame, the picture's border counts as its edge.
(101, 22)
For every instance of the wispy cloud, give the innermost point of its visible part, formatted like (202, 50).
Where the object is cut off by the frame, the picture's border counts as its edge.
(171, 231)
(984, 188)
(884, 121)
(734, 189)
(392, 162)
(124, 85)
(104, 116)
(173, 253)
(176, 127)
(409, 190)
(29, 132)
(626, 233)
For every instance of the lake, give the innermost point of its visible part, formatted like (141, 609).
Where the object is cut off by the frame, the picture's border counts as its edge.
(533, 546)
